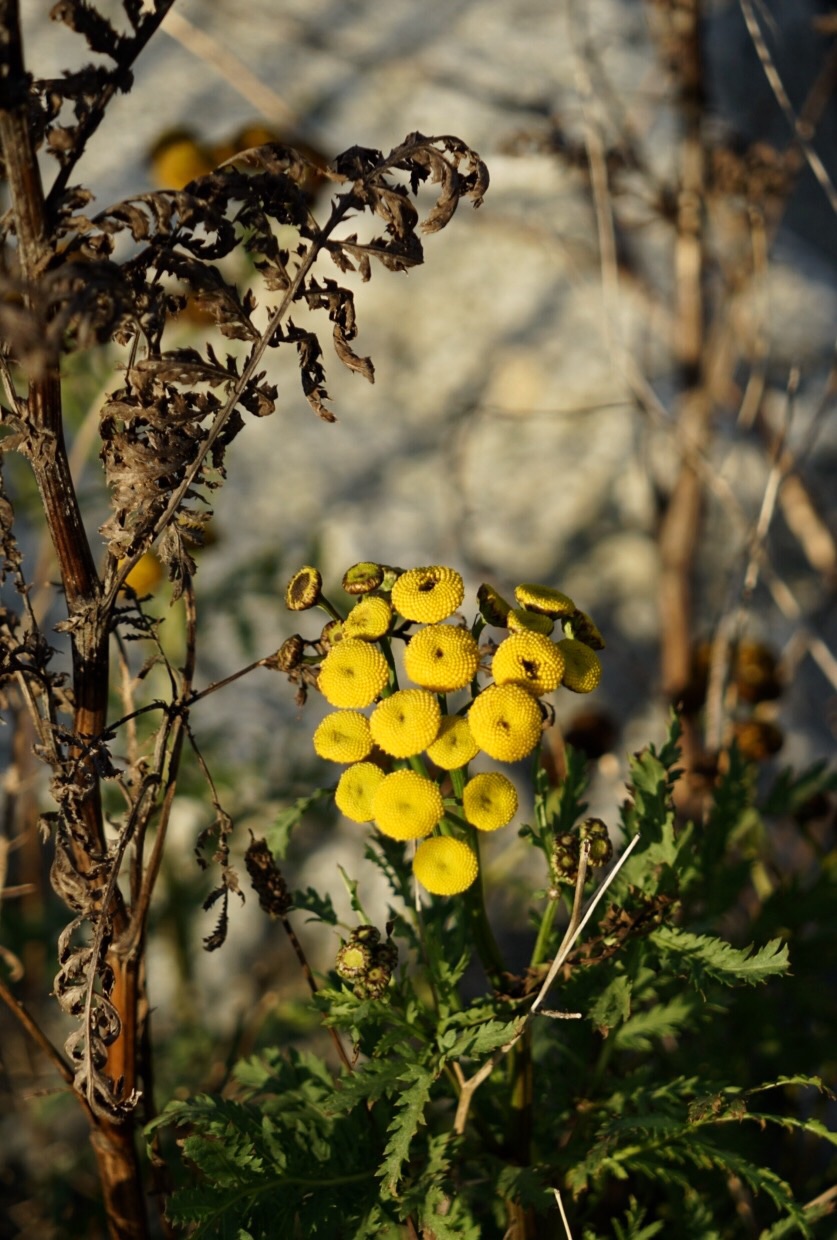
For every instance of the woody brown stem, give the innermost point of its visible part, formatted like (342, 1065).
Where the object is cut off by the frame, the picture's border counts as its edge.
(45, 447)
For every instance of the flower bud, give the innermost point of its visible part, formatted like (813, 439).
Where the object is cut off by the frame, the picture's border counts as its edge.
(362, 578)
(304, 589)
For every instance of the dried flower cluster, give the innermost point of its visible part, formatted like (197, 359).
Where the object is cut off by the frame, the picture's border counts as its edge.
(407, 759)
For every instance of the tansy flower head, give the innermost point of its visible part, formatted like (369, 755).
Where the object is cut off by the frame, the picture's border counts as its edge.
(489, 801)
(584, 630)
(406, 806)
(530, 660)
(428, 594)
(343, 736)
(332, 633)
(541, 598)
(442, 658)
(493, 607)
(353, 673)
(406, 722)
(362, 578)
(355, 790)
(455, 745)
(369, 618)
(145, 575)
(444, 866)
(506, 722)
(304, 589)
(582, 669)
(521, 620)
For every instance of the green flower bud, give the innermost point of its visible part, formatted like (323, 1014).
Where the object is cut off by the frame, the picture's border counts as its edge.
(353, 961)
(363, 577)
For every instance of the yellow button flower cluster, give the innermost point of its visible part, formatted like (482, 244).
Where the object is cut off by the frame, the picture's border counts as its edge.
(417, 741)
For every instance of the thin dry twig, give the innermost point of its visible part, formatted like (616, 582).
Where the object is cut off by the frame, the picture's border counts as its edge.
(802, 129)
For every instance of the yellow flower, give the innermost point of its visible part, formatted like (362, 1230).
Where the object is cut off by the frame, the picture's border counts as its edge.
(442, 658)
(521, 620)
(530, 660)
(582, 669)
(506, 722)
(489, 801)
(355, 790)
(343, 736)
(406, 806)
(145, 575)
(406, 722)
(542, 598)
(353, 673)
(428, 594)
(455, 745)
(444, 866)
(369, 618)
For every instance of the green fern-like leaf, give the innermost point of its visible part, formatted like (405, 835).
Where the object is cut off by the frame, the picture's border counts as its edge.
(408, 1117)
(703, 957)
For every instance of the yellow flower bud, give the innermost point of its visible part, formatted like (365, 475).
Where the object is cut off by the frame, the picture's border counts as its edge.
(542, 598)
(406, 806)
(353, 673)
(506, 722)
(428, 594)
(530, 660)
(582, 669)
(454, 746)
(406, 722)
(489, 801)
(445, 866)
(343, 736)
(442, 658)
(521, 620)
(369, 618)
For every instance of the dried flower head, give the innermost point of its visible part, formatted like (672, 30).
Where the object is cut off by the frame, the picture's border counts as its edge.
(595, 831)
(521, 620)
(428, 594)
(530, 660)
(363, 577)
(304, 589)
(455, 745)
(267, 879)
(289, 655)
(445, 866)
(542, 598)
(442, 658)
(353, 673)
(493, 607)
(369, 618)
(406, 806)
(506, 722)
(582, 669)
(405, 723)
(355, 790)
(585, 630)
(343, 736)
(489, 801)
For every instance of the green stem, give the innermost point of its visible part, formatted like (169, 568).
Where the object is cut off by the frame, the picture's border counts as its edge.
(484, 940)
(541, 948)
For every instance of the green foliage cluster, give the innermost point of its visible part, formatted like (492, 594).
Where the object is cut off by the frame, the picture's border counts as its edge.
(683, 1100)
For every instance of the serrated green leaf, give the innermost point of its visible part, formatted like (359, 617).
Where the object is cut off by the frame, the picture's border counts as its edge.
(646, 1027)
(706, 957)
(278, 834)
(613, 1004)
(403, 1127)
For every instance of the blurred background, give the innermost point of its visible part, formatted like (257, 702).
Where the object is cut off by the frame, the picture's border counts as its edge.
(616, 378)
